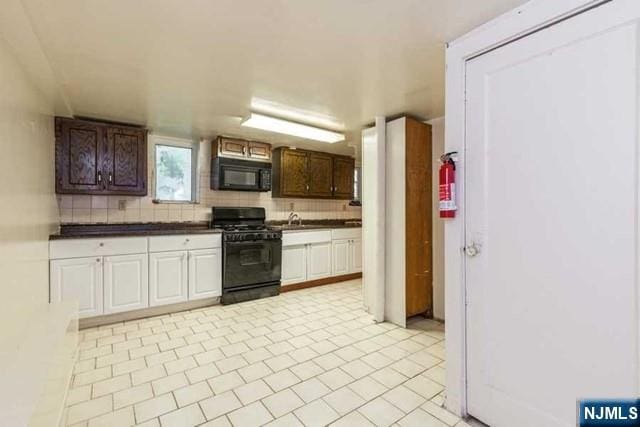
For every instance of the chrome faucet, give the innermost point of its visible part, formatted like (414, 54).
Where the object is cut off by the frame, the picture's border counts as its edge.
(293, 216)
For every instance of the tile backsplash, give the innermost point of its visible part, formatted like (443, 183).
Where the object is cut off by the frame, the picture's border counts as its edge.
(105, 209)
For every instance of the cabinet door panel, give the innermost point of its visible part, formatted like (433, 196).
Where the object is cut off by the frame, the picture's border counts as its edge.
(127, 154)
(230, 147)
(126, 283)
(319, 260)
(319, 174)
(167, 278)
(356, 256)
(205, 273)
(78, 279)
(343, 169)
(293, 173)
(259, 151)
(294, 264)
(79, 157)
(341, 257)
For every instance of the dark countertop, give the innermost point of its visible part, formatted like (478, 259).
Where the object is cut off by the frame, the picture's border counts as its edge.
(316, 224)
(84, 231)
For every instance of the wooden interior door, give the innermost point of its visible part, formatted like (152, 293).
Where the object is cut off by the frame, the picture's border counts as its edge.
(293, 170)
(127, 165)
(551, 213)
(343, 169)
(79, 157)
(419, 275)
(319, 174)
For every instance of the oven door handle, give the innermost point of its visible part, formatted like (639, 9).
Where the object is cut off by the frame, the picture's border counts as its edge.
(250, 242)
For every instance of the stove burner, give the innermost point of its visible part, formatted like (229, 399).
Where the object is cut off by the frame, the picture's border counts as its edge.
(243, 227)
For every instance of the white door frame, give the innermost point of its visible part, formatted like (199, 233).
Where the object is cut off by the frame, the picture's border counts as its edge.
(532, 16)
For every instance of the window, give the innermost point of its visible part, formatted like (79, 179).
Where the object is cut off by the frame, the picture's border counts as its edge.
(175, 172)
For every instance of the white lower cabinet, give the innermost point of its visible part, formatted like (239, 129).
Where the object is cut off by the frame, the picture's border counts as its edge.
(318, 260)
(341, 257)
(168, 275)
(305, 262)
(126, 283)
(294, 264)
(205, 273)
(356, 256)
(347, 256)
(78, 279)
(121, 274)
(313, 255)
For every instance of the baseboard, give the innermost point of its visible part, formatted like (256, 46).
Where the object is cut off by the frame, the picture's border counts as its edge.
(108, 319)
(320, 282)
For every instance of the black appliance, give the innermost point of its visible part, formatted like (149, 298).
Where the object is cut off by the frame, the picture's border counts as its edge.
(240, 175)
(251, 254)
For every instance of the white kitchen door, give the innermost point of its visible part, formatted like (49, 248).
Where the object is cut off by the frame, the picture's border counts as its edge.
(552, 220)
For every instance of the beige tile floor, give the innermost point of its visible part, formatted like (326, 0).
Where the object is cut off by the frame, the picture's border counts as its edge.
(312, 357)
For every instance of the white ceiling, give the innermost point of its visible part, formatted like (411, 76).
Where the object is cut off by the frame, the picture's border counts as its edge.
(192, 67)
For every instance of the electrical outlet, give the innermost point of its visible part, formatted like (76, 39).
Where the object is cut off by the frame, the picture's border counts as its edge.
(292, 206)
(122, 205)
(344, 207)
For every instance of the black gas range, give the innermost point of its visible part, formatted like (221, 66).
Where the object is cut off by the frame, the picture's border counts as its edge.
(251, 254)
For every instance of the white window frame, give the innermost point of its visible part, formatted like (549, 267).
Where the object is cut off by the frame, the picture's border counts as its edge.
(195, 167)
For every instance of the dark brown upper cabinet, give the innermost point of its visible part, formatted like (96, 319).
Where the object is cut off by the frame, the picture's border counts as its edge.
(320, 175)
(343, 173)
(100, 158)
(224, 146)
(126, 164)
(289, 173)
(311, 174)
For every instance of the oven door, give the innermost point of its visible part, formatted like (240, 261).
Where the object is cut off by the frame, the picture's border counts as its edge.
(251, 263)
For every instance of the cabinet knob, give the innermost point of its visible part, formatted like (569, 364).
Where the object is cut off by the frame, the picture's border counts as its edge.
(101, 244)
(186, 240)
(97, 259)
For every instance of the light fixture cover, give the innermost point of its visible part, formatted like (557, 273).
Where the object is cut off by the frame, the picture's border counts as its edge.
(260, 121)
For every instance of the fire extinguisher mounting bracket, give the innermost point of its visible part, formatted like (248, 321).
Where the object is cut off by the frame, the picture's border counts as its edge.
(451, 156)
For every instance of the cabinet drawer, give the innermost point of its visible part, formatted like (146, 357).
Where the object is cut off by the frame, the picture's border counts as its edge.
(304, 237)
(346, 233)
(77, 248)
(184, 242)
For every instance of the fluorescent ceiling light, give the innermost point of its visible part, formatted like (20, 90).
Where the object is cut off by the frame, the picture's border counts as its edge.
(299, 115)
(260, 121)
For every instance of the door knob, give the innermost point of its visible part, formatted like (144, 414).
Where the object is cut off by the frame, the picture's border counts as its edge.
(472, 250)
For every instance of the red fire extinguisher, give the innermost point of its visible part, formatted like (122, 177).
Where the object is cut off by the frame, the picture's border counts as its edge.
(447, 196)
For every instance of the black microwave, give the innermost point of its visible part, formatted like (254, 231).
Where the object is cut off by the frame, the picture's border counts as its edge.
(240, 175)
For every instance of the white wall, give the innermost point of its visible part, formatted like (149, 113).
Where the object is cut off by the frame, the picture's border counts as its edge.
(37, 340)
(28, 213)
(437, 149)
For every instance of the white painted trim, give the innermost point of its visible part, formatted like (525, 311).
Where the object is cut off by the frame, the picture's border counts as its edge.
(395, 232)
(154, 140)
(373, 218)
(507, 27)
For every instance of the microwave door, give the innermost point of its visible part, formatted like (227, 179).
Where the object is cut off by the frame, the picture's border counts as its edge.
(239, 178)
